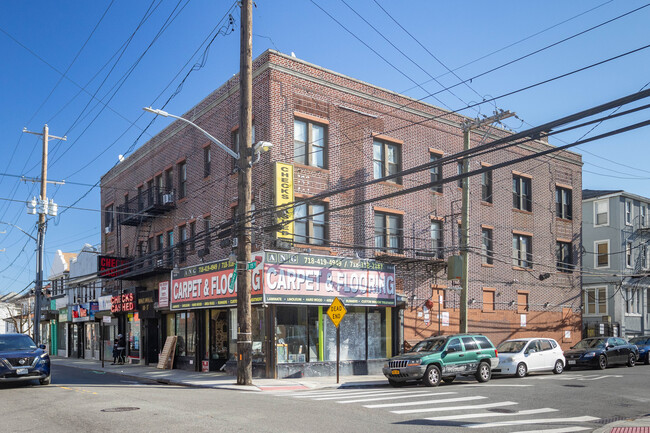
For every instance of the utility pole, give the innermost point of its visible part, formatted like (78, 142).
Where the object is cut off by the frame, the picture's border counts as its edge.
(244, 180)
(464, 227)
(43, 208)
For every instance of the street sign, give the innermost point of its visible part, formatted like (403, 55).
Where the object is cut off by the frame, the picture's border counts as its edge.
(233, 279)
(336, 311)
(251, 266)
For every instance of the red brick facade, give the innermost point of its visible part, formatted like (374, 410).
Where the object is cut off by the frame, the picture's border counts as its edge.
(353, 112)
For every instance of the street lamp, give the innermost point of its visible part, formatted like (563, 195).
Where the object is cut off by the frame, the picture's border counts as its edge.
(244, 343)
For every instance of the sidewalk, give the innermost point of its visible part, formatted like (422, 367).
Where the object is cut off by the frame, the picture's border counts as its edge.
(219, 380)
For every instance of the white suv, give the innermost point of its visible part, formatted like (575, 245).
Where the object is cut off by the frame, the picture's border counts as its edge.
(520, 356)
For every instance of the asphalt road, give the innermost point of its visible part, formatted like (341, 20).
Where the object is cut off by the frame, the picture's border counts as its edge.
(84, 400)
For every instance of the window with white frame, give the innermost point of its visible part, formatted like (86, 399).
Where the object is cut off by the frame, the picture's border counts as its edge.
(601, 249)
(388, 232)
(522, 250)
(309, 143)
(310, 224)
(633, 300)
(628, 212)
(487, 252)
(386, 160)
(522, 193)
(628, 254)
(642, 215)
(601, 213)
(436, 239)
(436, 171)
(563, 203)
(596, 301)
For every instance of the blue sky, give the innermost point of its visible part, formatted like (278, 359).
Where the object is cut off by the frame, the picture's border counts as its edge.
(98, 104)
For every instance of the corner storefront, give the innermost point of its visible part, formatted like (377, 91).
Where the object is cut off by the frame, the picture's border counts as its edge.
(290, 295)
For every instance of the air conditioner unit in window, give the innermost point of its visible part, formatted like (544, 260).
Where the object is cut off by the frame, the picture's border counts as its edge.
(167, 198)
(107, 229)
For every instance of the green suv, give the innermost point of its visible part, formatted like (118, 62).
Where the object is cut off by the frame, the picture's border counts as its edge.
(444, 358)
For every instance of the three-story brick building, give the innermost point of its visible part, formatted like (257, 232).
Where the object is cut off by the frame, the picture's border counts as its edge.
(169, 210)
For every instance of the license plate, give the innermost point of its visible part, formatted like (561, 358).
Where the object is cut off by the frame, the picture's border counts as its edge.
(572, 362)
(394, 372)
(21, 371)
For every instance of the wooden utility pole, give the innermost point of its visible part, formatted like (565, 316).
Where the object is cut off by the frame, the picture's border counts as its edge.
(464, 226)
(244, 179)
(42, 210)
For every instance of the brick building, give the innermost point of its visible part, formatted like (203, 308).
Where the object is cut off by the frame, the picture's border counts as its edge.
(169, 205)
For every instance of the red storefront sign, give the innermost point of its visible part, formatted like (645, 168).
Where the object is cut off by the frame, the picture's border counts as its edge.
(123, 303)
(110, 267)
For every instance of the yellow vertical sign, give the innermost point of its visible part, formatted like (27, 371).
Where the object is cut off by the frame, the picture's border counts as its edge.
(283, 196)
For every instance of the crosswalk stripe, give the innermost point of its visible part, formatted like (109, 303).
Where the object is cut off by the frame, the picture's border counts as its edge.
(491, 414)
(495, 385)
(556, 430)
(393, 397)
(419, 403)
(450, 408)
(532, 421)
(357, 392)
(361, 394)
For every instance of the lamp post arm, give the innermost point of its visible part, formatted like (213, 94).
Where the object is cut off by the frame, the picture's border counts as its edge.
(210, 137)
(15, 226)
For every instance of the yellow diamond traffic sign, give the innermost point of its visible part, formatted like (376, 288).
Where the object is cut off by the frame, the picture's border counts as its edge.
(336, 311)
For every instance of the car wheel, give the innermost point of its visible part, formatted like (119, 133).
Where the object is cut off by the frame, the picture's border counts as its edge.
(522, 370)
(559, 367)
(394, 383)
(448, 379)
(647, 358)
(631, 360)
(484, 373)
(602, 362)
(45, 381)
(432, 376)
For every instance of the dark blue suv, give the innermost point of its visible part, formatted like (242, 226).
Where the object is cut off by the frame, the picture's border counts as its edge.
(22, 360)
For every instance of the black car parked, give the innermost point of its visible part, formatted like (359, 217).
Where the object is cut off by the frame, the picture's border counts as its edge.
(599, 352)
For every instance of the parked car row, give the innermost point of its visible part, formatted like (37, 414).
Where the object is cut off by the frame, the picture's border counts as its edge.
(443, 358)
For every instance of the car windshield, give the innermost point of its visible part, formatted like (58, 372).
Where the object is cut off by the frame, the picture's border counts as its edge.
(511, 346)
(591, 343)
(9, 343)
(640, 340)
(429, 345)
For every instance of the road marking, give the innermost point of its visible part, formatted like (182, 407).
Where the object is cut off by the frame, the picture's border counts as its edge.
(491, 414)
(575, 377)
(416, 403)
(76, 390)
(556, 430)
(404, 395)
(450, 408)
(343, 393)
(532, 421)
(495, 386)
(362, 394)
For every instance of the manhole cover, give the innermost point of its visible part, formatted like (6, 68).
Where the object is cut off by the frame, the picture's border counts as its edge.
(120, 409)
(574, 386)
(499, 410)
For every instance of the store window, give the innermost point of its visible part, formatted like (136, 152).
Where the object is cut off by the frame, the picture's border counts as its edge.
(219, 334)
(353, 334)
(376, 333)
(291, 334)
(186, 333)
(133, 335)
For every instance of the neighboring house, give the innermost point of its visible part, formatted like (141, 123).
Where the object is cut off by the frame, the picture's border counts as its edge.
(171, 204)
(15, 313)
(616, 268)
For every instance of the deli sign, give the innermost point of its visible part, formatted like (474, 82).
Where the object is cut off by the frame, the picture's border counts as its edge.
(123, 303)
(110, 267)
